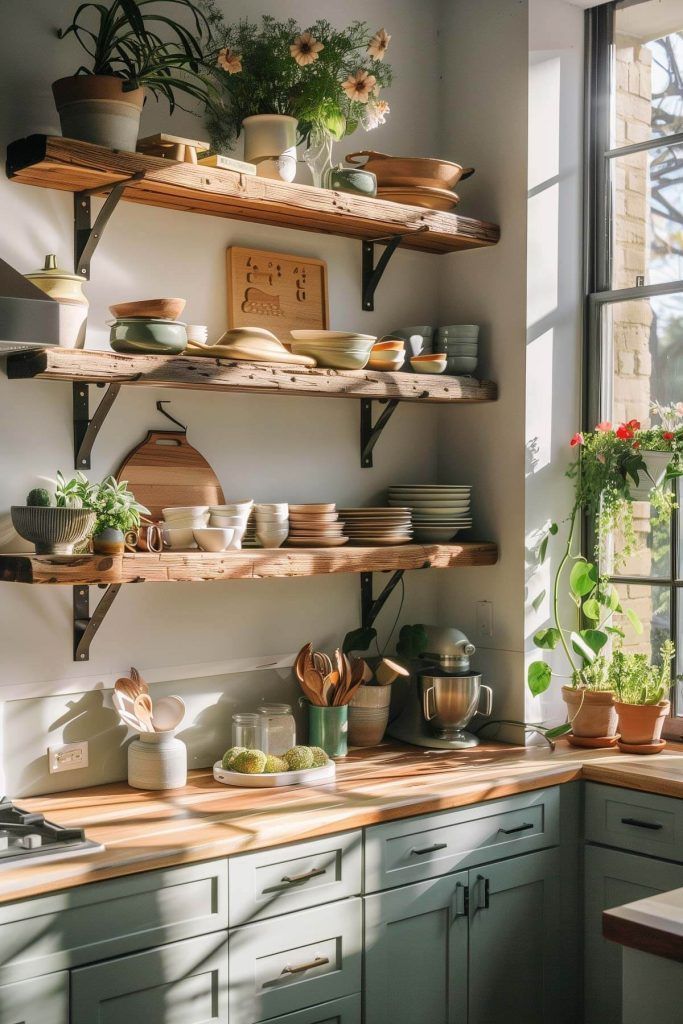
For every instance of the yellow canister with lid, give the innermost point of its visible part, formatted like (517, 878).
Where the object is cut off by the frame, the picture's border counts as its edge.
(67, 290)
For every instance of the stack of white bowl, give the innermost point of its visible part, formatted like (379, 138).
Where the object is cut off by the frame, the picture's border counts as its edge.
(460, 342)
(272, 523)
(439, 510)
(179, 525)
(233, 515)
(339, 350)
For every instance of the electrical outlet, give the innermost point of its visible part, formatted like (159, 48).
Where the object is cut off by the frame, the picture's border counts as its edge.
(67, 757)
(485, 619)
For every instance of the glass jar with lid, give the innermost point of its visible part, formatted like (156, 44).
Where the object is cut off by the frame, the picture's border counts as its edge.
(246, 731)
(278, 728)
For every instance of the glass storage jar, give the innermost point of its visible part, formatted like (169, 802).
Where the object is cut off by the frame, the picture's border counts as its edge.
(246, 731)
(278, 728)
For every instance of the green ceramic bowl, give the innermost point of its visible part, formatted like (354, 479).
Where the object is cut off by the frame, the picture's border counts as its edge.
(148, 336)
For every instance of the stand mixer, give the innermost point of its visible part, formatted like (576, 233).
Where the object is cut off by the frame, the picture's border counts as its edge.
(443, 696)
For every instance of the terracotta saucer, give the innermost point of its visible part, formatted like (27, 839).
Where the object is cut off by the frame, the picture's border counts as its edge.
(592, 742)
(642, 748)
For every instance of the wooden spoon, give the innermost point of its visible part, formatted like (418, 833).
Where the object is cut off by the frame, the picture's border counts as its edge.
(314, 681)
(128, 687)
(137, 678)
(144, 711)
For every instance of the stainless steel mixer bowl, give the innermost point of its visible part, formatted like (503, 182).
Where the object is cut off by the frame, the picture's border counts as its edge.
(450, 702)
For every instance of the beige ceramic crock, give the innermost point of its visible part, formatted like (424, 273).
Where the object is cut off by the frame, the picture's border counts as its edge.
(67, 290)
(369, 715)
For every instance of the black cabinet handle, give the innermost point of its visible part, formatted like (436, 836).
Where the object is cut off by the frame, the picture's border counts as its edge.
(518, 828)
(487, 896)
(654, 826)
(429, 849)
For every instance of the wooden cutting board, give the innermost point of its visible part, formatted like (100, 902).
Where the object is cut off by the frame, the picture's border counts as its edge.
(277, 291)
(165, 470)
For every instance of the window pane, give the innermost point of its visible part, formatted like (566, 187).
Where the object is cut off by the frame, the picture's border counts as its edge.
(652, 554)
(648, 70)
(652, 606)
(647, 223)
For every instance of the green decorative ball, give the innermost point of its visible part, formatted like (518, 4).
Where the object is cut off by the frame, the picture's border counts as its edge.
(230, 755)
(249, 762)
(320, 758)
(298, 758)
(275, 764)
(39, 498)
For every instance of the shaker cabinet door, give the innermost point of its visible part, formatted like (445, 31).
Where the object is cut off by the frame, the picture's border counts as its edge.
(514, 939)
(611, 879)
(37, 1001)
(416, 953)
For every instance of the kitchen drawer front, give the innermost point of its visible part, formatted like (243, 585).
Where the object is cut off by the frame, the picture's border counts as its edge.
(339, 1011)
(634, 821)
(436, 844)
(294, 877)
(293, 962)
(94, 922)
(182, 983)
(38, 1001)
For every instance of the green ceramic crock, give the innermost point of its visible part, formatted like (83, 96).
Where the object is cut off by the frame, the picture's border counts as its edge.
(148, 336)
(328, 728)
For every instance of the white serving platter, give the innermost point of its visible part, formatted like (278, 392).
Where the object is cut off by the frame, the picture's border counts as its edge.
(303, 777)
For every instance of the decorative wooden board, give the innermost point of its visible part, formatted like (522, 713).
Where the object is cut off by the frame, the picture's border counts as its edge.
(222, 375)
(165, 470)
(278, 291)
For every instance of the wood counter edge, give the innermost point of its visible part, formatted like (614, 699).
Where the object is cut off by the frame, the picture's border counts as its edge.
(640, 936)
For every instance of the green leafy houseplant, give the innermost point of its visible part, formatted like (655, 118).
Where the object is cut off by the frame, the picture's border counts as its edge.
(329, 79)
(114, 505)
(635, 681)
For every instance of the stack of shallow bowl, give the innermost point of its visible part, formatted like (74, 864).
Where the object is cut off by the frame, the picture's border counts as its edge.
(179, 524)
(460, 342)
(148, 326)
(377, 526)
(439, 510)
(416, 181)
(315, 526)
(387, 355)
(272, 524)
(233, 515)
(338, 350)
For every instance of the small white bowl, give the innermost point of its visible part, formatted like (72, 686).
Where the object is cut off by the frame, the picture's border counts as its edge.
(185, 510)
(228, 522)
(197, 332)
(179, 539)
(272, 517)
(231, 506)
(212, 538)
(272, 539)
(280, 507)
(429, 365)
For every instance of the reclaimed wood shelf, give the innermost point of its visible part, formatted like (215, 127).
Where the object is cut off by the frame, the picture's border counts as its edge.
(256, 563)
(95, 367)
(73, 166)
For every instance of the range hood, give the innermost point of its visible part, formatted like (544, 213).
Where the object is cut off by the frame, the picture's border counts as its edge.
(28, 317)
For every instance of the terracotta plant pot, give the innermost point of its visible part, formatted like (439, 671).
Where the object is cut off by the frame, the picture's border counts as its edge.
(109, 542)
(592, 713)
(95, 108)
(369, 715)
(642, 723)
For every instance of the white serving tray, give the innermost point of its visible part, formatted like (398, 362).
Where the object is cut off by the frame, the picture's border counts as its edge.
(303, 777)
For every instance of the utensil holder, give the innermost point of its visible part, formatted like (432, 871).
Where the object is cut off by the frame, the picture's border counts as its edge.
(157, 760)
(369, 715)
(328, 728)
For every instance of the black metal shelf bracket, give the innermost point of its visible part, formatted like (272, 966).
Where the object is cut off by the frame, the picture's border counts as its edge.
(371, 606)
(85, 624)
(372, 272)
(369, 432)
(87, 427)
(86, 234)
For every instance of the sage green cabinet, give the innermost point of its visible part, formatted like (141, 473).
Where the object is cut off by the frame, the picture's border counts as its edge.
(612, 878)
(338, 1011)
(38, 1001)
(466, 948)
(182, 983)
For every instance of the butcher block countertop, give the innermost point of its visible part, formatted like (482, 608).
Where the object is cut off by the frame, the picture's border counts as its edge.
(143, 830)
(653, 925)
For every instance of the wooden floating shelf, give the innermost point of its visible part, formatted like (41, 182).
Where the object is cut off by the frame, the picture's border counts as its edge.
(199, 372)
(197, 567)
(73, 166)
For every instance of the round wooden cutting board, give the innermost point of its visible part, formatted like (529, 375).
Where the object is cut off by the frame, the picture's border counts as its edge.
(165, 471)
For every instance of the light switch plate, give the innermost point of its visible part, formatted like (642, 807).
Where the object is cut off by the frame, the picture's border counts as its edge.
(67, 757)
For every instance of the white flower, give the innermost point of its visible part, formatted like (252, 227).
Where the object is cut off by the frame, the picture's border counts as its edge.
(377, 46)
(375, 114)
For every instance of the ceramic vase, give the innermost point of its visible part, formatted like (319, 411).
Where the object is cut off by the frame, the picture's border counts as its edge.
(95, 108)
(67, 290)
(328, 728)
(157, 760)
(369, 715)
(656, 463)
(109, 541)
(592, 714)
(270, 143)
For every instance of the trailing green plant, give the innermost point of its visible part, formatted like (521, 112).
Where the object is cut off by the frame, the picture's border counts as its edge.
(114, 505)
(39, 498)
(635, 681)
(141, 42)
(329, 79)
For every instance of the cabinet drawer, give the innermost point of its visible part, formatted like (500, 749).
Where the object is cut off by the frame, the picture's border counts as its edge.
(105, 919)
(294, 877)
(339, 1011)
(183, 983)
(436, 844)
(640, 822)
(38, 1001)
(293, 962)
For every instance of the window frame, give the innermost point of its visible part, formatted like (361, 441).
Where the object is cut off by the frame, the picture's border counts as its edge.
(599, 156)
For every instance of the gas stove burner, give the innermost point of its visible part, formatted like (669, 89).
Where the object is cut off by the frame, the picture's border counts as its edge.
(26, 836)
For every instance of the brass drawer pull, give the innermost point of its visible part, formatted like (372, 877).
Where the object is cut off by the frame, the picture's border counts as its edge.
(318, 962)
(655, 826)
(313, 873)
(518, 828)
(429, 849)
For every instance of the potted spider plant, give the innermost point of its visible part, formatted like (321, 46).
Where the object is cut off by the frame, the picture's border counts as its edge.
(134, 47)
(115, 508)
(642, 698)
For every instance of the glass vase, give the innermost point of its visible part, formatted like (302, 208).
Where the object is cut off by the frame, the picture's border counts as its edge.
(318, 156)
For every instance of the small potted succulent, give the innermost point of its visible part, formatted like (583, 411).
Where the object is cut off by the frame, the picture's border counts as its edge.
(642, 698)
(114, 507)
(54, 528)
(133, 46)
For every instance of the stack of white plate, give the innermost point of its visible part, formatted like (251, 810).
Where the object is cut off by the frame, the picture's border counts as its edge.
(377, 526)
(439, 510)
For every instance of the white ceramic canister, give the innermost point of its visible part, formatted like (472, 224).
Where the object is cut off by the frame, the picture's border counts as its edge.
(157, 760)
(67, 290)
(270, 143)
